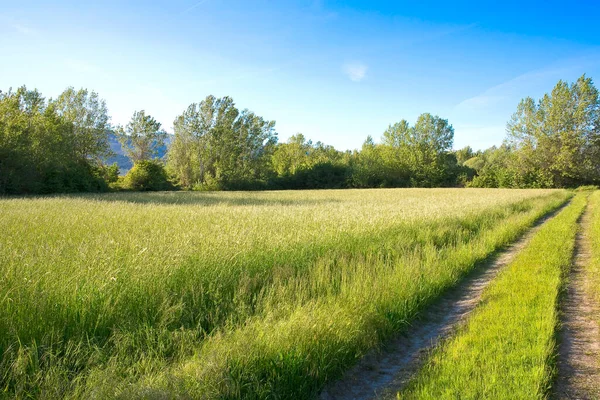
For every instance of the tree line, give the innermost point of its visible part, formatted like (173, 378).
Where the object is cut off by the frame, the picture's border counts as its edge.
(61, 145)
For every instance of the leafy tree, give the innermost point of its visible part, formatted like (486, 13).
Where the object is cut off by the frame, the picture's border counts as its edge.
(368, 166)
(218, 146)
(142, 137)
(418, 155)
(89, 116)
(464, 154)
(299, 153)
(557, 139)
(37, 148)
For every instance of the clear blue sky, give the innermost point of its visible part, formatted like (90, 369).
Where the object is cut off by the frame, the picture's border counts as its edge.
(335, 71)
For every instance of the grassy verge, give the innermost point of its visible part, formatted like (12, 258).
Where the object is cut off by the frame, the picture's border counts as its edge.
(594, 235)
(506, 349)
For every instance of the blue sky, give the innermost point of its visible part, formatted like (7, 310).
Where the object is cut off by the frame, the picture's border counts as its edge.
(335, 71)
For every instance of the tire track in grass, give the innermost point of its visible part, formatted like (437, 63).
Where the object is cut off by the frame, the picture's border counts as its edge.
(506, 349)
(579, 337)
(381, 374)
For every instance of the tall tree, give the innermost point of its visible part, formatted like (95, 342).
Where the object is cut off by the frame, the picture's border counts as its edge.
(142, 137)
(89, 116)
(37, 148)
(419, 153)
(557, 139)
(216, 145)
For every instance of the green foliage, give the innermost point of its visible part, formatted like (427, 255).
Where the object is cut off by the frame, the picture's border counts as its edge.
(142, 137)
(554, 142)
(146, 175)
(88, 114)
(300, 164)
(218, 146)
(506, 349)
(464, 154)
(41, 149)
(111, 173)
(409, 156)
(325, 175)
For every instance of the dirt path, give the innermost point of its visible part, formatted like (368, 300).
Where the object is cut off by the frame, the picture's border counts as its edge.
(579, 337)
(381, 374)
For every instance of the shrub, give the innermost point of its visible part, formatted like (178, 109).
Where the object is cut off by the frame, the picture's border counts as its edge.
(146, 175)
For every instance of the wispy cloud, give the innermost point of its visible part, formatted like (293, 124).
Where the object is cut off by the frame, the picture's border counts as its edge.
(530, 83)
(356, 71)
(198, 4)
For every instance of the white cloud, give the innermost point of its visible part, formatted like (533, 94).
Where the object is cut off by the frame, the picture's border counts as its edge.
(356, 71)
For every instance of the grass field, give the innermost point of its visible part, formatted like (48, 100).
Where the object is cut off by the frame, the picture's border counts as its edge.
(229, 295)
(506, 349)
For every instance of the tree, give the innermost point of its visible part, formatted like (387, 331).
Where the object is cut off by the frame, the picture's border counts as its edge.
(299, 153)
(557, 139)
(89, 116)
(37, 148)
(218, 146)
(464, 154)
(142, 137)
(418, 155)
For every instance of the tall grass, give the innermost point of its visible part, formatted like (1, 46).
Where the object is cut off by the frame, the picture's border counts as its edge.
(506, 349)
(593, 269)
(228, 294)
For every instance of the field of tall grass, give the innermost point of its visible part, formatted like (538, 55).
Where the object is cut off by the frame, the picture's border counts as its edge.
(507, 348)
(229, 295)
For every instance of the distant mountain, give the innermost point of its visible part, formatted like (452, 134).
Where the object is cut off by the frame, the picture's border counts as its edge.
(122, 160)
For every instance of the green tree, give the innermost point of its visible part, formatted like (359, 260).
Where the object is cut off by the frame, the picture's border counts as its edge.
(217, 146)
(557, 139)
(37, 148)
(142, 137)
(418, 155)
(464, 154)
(89, 116)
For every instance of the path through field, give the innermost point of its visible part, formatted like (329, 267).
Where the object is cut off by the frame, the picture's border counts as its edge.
(382, 374)
(579, 348)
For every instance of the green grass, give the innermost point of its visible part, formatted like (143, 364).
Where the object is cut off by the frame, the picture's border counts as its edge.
(593, 269)
(506, 349)
(229, 295)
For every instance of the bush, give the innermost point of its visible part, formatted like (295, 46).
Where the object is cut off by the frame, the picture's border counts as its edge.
(146, 175)
(324, 175)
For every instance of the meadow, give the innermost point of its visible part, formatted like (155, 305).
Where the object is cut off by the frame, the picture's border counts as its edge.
(230, 295)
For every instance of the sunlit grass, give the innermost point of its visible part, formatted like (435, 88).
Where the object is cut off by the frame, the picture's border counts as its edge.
(229, 294)
(593, 269)
(506, 349)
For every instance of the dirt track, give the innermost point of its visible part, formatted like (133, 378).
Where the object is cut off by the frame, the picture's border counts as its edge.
(381, 374)
(579, 338)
